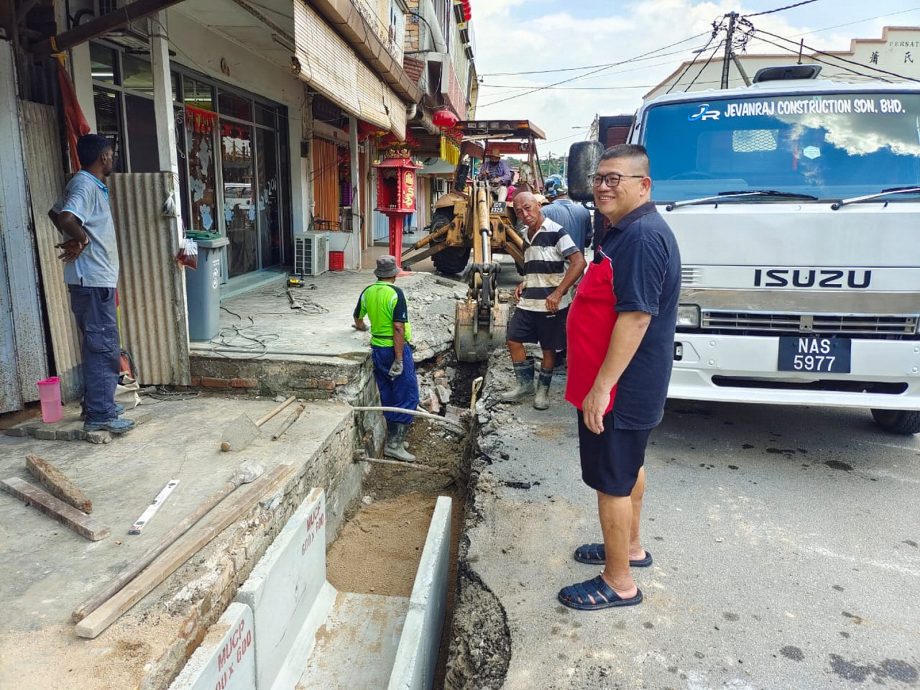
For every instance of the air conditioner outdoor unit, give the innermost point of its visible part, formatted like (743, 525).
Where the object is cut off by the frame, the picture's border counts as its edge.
(135, 35)
(311, 253)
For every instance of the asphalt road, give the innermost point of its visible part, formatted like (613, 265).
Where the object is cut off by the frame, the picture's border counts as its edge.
(786, 543)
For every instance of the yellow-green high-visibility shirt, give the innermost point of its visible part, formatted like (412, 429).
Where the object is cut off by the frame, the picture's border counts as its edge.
(383, 303)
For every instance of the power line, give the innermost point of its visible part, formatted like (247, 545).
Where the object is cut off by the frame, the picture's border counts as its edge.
(859, 21)
(715, 30)
(780, 9)
(574, 69)
(565, 81)
(705, 65)
(823, 62)
(837, 57)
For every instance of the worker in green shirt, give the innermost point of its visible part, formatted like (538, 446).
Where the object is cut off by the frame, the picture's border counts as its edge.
(385, 305)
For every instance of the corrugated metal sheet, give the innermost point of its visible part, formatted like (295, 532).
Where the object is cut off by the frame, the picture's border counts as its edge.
(151, 286)
(23, 356)
(46, 182)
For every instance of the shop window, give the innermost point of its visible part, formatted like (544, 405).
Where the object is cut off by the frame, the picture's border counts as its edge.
(103, 64)
(266, 115)
(107, 105)
(202, 185)
(268, 200)
(198, 94)
(142, 134)
(239, 202)
(232, 105)
(136, 74)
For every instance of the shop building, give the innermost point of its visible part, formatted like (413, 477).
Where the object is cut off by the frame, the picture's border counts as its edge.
(259, 122)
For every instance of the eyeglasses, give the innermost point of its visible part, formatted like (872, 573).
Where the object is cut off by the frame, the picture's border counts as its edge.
(611, 179)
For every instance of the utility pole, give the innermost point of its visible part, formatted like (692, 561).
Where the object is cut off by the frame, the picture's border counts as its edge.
(726, 61)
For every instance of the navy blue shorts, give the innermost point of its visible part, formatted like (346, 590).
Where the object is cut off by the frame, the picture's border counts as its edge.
(548, 329)
(610, 461)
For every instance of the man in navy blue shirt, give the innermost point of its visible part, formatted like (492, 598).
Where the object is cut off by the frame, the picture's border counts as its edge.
(621, 348)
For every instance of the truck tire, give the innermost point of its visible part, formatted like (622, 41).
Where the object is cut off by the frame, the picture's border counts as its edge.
(441, 217)
(903, 422)
(451, 260)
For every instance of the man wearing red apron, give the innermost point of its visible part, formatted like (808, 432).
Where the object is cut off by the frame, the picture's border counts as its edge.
(621, 348)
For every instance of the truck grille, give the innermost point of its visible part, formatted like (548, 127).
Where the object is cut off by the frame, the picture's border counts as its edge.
(752, 323)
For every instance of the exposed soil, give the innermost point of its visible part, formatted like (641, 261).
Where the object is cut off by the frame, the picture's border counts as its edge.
(378, 550)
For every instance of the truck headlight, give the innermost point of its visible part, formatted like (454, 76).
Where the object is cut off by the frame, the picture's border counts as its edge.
(688, 316)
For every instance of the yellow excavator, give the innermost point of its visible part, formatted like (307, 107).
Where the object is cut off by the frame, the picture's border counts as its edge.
(471, 220)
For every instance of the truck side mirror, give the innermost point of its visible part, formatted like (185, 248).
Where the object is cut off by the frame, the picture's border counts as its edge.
(583, 158)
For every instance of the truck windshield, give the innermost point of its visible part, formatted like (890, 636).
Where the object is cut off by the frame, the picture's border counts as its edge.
(830, 145)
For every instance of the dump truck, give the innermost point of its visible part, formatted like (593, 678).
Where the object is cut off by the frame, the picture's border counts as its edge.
(795, 202)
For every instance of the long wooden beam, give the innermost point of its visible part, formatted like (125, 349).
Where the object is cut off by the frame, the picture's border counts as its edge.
(101, 25)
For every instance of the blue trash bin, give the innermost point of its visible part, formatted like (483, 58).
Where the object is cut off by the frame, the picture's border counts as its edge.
(202, 289)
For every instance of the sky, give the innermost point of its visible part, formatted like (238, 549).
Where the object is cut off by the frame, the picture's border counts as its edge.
(514, 36)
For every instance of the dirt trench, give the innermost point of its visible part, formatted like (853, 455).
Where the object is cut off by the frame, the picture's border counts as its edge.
(379, 547)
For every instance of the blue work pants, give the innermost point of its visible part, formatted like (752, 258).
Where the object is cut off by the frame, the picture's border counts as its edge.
(399, 392)
(94, 310)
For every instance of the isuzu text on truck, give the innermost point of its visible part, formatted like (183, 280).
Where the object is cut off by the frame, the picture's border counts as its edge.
(796, 204)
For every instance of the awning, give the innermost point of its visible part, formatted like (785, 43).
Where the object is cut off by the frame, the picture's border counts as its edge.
(332, 67)
(438, 166)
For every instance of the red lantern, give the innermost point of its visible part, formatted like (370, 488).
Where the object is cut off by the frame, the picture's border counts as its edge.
(444, 119)
(467, 10)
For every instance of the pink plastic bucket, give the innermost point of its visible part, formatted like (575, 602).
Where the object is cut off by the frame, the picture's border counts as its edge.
(49, 392)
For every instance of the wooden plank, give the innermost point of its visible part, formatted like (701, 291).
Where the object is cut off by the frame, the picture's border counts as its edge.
(177, 554)
(44, 502)
(57, 483)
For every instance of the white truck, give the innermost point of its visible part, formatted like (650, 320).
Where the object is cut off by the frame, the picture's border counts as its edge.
(796, 205)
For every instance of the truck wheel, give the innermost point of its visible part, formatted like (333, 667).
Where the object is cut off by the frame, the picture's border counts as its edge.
(903, 422)
(441, 217)
(451, 260)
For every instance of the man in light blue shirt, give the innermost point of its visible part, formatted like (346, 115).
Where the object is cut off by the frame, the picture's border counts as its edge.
(90, 256)
(575, 218)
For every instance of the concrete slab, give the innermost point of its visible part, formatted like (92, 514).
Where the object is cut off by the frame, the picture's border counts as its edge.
(47, 570)
(262, 322)
(226, 658)
(784, 543)
(356, 647)
(417, 657)
(289, 596)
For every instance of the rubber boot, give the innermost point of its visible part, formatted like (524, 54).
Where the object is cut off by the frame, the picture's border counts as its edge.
(395, 447)
(541, 400)
(523, 372)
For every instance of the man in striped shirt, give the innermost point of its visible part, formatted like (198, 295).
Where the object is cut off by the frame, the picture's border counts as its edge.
(543, 299)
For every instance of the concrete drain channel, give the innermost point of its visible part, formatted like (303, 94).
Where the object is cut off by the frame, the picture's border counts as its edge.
(376, 609)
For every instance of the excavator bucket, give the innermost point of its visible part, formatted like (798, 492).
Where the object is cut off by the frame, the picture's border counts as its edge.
(475, 337)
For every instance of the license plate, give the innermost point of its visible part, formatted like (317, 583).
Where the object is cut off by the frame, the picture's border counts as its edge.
(826, 355)
(498, 207)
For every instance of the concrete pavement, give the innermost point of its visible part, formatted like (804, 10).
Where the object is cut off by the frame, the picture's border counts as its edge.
(785, 543)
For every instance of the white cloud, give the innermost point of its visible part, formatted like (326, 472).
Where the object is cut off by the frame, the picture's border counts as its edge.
(506, 42)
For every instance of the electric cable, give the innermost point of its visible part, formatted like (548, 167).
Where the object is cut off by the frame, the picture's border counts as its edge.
(823, 62)
(779, 9)
(837, 57)
(614, 64)
(715, 30)
(575, 69)
(705, 65)
(859, 21)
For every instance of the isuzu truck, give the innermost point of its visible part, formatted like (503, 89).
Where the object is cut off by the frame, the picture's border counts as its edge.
(796, 205)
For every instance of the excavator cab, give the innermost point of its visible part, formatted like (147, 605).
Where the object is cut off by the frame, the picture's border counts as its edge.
(467, 221)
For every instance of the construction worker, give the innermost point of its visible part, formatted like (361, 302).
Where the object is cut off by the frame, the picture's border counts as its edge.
(385, 305)
(575, 218)
(497, 173)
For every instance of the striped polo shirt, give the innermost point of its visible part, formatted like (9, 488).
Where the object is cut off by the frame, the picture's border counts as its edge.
(544, 265)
